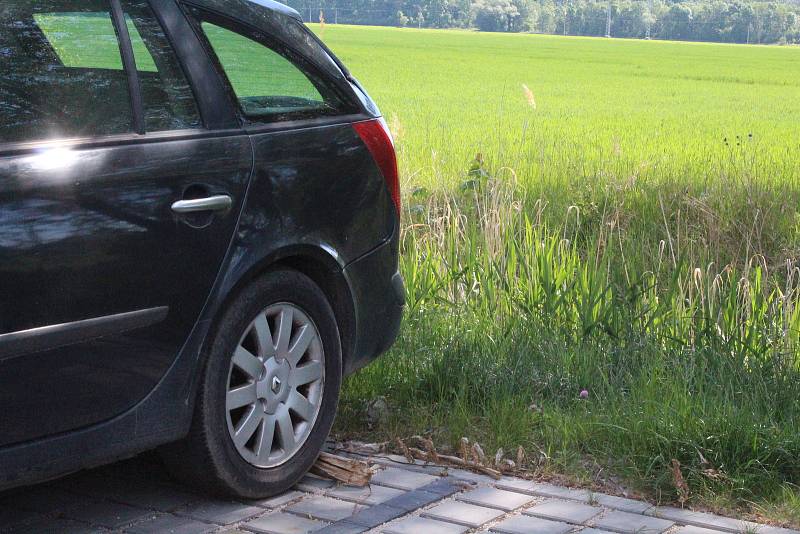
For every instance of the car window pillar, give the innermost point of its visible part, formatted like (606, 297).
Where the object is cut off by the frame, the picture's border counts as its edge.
(129, 62)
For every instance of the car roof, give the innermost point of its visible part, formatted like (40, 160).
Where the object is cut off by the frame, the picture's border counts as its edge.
(280, 8)
(278, 21)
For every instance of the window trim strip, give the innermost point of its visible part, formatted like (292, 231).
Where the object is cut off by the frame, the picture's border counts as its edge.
(129, 62)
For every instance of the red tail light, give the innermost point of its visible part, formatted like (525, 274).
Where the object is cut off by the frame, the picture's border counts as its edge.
(376, 136)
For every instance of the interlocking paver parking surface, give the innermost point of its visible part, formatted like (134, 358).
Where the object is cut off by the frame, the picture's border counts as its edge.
(56, 526)
(543, 489)
(107, 514)
(620, 503)
(699, 519)
(695, 530)
(372, 494)
(496, 498)
(462, 513)
(220, 512)
(171, 524)
(312, 483)
(326, 508)
(402, 478)
(141, 500)
(521, 524)
(279, 500)
(282, 523)
(45, 499)
(569, 511)
(423, 525)
(625, 522)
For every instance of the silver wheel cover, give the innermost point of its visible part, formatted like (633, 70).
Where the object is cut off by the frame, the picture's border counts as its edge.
(275, 384)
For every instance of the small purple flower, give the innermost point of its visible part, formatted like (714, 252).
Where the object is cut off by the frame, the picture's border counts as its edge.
(584, 394)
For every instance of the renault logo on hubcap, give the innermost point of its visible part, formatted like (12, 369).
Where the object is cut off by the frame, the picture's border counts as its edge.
(276, 384)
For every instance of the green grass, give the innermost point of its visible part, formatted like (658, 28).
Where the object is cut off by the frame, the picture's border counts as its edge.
(633, 233)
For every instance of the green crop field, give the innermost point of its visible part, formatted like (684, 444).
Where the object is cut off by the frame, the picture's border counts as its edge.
(619, 217)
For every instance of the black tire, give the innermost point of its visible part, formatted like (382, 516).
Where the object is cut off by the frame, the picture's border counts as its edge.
(207, 456)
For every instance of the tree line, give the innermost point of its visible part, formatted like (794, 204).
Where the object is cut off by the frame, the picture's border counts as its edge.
(729, 21)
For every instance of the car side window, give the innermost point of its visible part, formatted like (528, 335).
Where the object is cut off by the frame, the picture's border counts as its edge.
(167, 98)
(269, 83)
(62, 71)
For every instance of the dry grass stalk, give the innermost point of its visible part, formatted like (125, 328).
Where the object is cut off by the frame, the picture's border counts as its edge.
(346, 470)
(680, 483)
(448, 460)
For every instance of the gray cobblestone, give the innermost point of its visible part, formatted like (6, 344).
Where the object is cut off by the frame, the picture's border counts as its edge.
(462, 513)
(220, 512)
(372, 494)
(402, 478)
(140, 500)
(544, 490)
(282, 523)
(530, 525)
(496, 498)
(625, 522)
(568, 511)
(171, 524)
(424, 525)
(107, 514)
(376, 515)
(278, 500)
(312, 483)
(326, 508)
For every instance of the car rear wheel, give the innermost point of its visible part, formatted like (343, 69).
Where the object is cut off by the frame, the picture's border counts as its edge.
(268, 393)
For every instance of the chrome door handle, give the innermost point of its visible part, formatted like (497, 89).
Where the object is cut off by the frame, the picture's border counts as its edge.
(215, 203)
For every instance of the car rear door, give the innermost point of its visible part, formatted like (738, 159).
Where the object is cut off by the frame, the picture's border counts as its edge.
(121, 178)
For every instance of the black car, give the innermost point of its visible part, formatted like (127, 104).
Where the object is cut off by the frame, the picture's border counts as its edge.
(198, 239)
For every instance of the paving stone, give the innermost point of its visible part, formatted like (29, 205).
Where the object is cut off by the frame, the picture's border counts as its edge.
(522, 524)
(162, 499)
(766, 529)
(495, 498)
(12, 516)
(44, 499)
(620, 503)
(53, 526)
(411, 500)
(446, 486)
(546, 490)
(376, 515)
(462, 513)
(107, 514)
(625, 522)
(171, 524)
(278, 500)
(423, 525)
(312, 483)
(342, 527)
(696, 530)
(699, 519)
(220, 512)
(372, 494)
(568, 511)
(591, 530)
(283, 523)
(402, 478)
(326, 508)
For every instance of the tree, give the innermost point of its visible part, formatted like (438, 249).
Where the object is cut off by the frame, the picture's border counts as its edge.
(495, 15)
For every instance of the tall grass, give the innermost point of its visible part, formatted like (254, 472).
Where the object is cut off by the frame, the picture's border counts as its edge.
(612, 216)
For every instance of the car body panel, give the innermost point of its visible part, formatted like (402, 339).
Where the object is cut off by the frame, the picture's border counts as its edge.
(314, 201)
(87, 234)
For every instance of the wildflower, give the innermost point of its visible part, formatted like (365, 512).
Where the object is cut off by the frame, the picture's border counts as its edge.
(529, 96)
(584, 394)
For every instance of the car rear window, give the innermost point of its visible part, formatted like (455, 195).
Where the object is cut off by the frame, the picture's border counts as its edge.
(269, 80)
